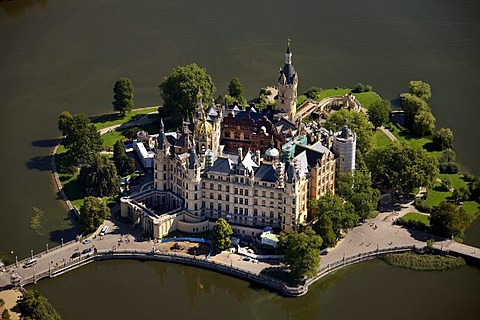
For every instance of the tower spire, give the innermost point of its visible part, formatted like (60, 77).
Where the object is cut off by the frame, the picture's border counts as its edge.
(288, 54)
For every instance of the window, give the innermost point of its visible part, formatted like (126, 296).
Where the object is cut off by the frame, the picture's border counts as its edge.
(255, 202)
(211, 186)
(195, 196)
(211, 195)
(264, 203)
(227, 188)
(272, 204)
(271, 214)
(219, 207)
(271, 195)
(264, 193)
(203, 185)
(246, 212)
(235, 200)
(246, 201)
(255, 192)
(235, 191)
(227, 197)
(246, 192)
(241, 192)
(219, 196)
(255, 212)
(227, 207)
(241, 211)
(241, 200)
(211, 205)
(235, 210)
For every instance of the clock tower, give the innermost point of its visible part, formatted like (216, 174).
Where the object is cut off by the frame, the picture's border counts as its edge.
(287, 87)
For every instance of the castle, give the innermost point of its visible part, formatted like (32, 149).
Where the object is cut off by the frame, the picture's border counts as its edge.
(253, 168)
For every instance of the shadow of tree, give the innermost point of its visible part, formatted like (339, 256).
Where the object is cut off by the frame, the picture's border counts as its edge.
(41, 163)
(65, 234)
(46, 143)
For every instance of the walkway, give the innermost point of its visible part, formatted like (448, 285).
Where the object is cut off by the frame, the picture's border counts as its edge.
(140, 121)
(388, 133)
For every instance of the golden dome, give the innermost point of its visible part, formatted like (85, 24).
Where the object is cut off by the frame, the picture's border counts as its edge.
(203, 127)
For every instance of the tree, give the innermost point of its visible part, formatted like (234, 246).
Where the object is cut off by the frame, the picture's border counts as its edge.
(82, 140)
(357, 189)
(124, 164)
(359, 87)
(443, 139)
(412, 105)
(35, 306)
(180, 89)
(449, 220)
(302, 252)
(447, 162)
(341, 213)
(423, 124)
(6, 315)
(99, 177)
(400, 165)
(379, 113)
(324, 228)
(358, 123)
(313, 93)
(221, 234)
(92, 214)
(420, 89)
(123, 96)
(236, 90)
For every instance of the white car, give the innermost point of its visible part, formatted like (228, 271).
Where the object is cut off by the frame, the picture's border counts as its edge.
(87, 241)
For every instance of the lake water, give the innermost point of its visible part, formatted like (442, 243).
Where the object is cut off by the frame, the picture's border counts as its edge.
(66, 55)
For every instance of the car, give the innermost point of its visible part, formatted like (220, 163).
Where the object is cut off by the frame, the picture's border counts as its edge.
(30, 263)
(87, 250)
(246, 259)
(104, 231)
(75, 255)
(87, 241)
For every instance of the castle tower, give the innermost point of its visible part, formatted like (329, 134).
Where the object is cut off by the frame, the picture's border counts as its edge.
(287, 87)
(162, 154)
(345, 146)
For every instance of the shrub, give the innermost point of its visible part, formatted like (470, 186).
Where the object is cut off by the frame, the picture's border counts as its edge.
(359, 87)
(422, 206)
(423, 262)
(448, 167)
(368, 88)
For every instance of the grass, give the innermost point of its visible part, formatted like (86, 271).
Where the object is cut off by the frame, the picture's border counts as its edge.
(367, 98)
(112, 119)
(417, 217)
(423, 262)
(406, 137)
(110, 138)
(69, 180)
(382, 139)
(333, 92)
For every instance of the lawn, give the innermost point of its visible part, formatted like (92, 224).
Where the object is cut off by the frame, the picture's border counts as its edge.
(333, 92)
(382, 139)
(367, 98)
(111, 119)
(405, 137)
(415, 216)
(72, 189)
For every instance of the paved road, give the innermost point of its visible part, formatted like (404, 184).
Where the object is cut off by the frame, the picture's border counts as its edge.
(388, 133)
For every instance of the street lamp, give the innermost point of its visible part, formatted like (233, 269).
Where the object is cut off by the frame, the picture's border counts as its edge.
(47, 247)
(31, 254)
(61, 241)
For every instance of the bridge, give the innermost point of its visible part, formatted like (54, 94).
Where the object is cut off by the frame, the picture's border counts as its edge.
(310, 105)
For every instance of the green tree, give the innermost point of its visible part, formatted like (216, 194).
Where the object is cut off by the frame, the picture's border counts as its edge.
(420, 89)
(6, 315)
(341, 213)
(221, 234)
(358, 123)
(302, 252)
(35, 306)
(82, 140)
(92, 214)
(123, 96)
(379, 113)
(423, 124)
(359, 87)
(65, 120)
(449, 220)
(357, 189)
(179, 90)
(324, 228)
(447, 162)
(124, 164)
(412, 105)
(313, 93)
(236, 90)
(443, 139)
(402, 165)
(99, 178)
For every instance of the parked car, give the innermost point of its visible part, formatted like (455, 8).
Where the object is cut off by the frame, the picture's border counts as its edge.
(87, 241)
(75, 255)
(87, 250)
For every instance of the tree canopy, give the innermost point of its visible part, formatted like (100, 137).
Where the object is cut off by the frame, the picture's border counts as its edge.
(379, 113)
(358, 123)
(123, 96)
(236, 90)
(82, 140)
(449, 220)
(357, 189)
(403, 166)
(420, 89)
(221, 234)
(99, 177)
(92, 214)
(341, 214)
(179, 90)
(302, 252)
(423, 123)
(124, 164)
(443, 139)
(34, 306)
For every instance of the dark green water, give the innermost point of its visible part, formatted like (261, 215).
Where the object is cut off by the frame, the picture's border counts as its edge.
(66, 55)
(371, 290)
